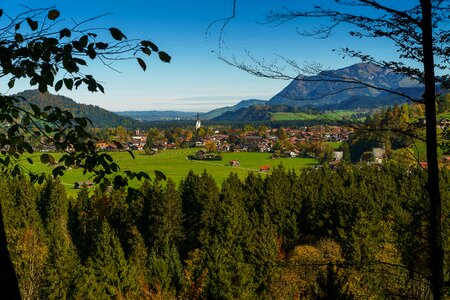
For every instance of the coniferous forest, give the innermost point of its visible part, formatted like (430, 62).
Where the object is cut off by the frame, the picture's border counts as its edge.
(357, 232)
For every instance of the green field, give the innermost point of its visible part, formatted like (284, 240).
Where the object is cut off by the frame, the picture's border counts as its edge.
(329, 116)
(173, 164)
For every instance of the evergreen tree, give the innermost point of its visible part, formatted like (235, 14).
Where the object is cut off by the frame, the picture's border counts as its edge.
(199, 194)
(168, 217)
(26, 236)
(62, 264)
(165, 272)
(108, 270)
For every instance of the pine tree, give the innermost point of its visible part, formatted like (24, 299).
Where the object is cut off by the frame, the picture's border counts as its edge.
(26, 237)
(229, 273)
(165, 271)
(108, 265)
(63, 263)
(200, 195)
(170, 217)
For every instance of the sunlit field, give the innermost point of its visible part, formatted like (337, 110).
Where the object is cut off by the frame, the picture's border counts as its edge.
(173, 164)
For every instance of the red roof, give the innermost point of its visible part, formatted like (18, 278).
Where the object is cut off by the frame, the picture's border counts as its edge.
(424, 164)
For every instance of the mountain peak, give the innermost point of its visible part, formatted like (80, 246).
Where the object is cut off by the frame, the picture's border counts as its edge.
(332, 86)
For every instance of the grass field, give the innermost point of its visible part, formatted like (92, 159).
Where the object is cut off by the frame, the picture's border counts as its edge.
(330, 116)
(173, 164)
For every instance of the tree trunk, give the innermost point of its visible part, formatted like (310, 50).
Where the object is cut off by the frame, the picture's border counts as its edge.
(435, 226)
(9, 286)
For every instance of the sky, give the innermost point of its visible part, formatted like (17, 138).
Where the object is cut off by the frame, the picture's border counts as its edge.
(196, 80)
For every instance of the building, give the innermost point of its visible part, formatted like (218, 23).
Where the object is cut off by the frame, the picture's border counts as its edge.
(234, 163)
(264, 168)
(198, 123)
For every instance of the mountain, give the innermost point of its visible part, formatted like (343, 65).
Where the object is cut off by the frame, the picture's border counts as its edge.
(251, 113)
(383, 99)
(331, 87)
(157, 115)
(242, 104)
(100, 117)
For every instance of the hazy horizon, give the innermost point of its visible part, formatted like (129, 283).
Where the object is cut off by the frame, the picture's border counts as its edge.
(196, 79)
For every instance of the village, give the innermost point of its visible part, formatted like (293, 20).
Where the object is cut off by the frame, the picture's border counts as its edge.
(282, 142)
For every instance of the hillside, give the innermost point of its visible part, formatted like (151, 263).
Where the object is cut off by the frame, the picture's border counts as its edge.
(157, 115)
(100, 117)
(252, 113)
(329, 88)
(242, 104)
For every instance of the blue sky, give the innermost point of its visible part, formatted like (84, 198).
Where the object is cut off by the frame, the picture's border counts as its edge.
(196, 80)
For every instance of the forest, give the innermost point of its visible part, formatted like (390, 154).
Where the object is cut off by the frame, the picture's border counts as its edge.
(356, 232)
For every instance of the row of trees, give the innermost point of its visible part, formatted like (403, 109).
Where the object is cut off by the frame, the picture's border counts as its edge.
(320, 234)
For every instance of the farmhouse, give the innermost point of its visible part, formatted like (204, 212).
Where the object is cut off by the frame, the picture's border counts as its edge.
(378, 155)
(83, 184)
(234, 163)
(264, 168)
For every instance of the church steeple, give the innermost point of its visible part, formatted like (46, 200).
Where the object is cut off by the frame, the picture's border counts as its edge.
(198, 124)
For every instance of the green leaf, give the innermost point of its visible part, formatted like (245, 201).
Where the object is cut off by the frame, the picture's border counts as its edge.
(58, 85)
(68, 82)
(101, 88)
(84, 40)
(30, 161)
(81, 121)
(146, 51)
(149, 44)
(1, 12)
(142, 63)
(11, 83)
(164, 56)
(101, 46)
(53, 14)
(17, 27)
(80, 61)
(117, 34)
(42, 87)
(47, 158)
(160, 175)
(33, 24)
(18, 38)
(36, 109)
(65, 33)
(131, 153)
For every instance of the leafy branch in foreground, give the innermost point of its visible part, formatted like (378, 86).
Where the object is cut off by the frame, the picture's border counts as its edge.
(35, 45)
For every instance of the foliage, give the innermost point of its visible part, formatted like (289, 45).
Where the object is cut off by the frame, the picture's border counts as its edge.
(318, 234)
(34, 48)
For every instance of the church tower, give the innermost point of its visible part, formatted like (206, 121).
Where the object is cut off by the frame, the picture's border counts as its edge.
(198, 124)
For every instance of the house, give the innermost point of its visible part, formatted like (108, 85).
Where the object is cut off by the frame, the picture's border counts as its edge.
(83, 184)
(333, 164)
(378, 155)
(264, 168)
(338, 155)
(200, 153)
(234, 163)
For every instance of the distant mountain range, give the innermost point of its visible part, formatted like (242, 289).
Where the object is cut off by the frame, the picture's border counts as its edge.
(347, 88)
(158, 115)
(100, 117)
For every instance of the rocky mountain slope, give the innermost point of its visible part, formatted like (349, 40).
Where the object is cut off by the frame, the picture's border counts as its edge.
(335, 86)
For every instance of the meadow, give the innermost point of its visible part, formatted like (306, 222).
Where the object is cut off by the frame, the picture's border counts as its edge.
(173, 164)
(337, 115)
